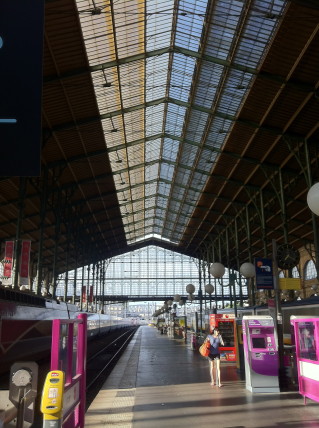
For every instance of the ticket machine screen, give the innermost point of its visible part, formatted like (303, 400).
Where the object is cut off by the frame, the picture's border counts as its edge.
(258, 342)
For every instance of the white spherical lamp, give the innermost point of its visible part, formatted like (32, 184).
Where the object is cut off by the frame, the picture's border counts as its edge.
(177, 298)
(190, 288)
(217, 270)
(209, 288)
(247, 270)
(313, 198)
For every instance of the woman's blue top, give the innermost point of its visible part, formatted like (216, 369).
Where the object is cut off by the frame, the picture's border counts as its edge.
(214, 344)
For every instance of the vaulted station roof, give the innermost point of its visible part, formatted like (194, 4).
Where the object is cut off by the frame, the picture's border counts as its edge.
(190, 125)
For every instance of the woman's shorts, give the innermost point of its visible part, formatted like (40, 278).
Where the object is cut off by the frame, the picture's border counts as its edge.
(212, 357)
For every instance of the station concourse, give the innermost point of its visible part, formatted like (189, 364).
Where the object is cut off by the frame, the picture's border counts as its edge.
(160, 382)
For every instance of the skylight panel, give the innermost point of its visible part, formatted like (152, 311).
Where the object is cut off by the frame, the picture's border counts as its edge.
(166, 171)
(159, 19)
(107, 97)
(151, 188)
(175, 119)
(170, 149)
(134, 125)
(197, 125)
(161, 205)
(154, 119)
(136, 175)
(187, 209)
(156, 77)
(209, 80)
(152, 150)
(170, 220)
(192, 196)
(151, 171)
(178, 194)
(129, 27)
(164, 188)
(181, 76)
(174, 204)
(205, 163)
(182, 176)
(218, 132)
(189, 24)
(150, 213)
(132, 83)
(149, 222)
(189, 154)
(138, 192)
(258, 31)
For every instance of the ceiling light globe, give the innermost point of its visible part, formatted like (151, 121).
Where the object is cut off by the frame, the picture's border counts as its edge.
(190, 288)
(217, 270)
(313, 198)
(209, 288)
(247, 270)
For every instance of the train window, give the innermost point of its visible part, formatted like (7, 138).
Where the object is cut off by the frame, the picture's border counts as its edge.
(307, 348)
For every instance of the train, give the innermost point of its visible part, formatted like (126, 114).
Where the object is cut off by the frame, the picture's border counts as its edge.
(26, 325)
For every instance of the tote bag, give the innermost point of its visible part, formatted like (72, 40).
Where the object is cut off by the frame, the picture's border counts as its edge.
(204, 349)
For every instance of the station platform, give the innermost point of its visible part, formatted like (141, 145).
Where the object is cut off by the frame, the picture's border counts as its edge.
(160, 382)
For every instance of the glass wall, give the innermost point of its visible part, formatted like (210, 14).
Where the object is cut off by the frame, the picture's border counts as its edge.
(150, 271)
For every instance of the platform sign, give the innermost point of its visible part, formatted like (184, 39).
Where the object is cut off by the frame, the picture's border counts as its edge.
(264, 274)
(21, 57)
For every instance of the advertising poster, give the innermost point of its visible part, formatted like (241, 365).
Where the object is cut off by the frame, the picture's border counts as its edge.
(264, 274)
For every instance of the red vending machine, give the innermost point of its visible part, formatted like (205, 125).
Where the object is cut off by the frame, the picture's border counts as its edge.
(226, 326)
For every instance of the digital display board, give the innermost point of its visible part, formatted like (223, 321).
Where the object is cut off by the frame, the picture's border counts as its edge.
(21, 57)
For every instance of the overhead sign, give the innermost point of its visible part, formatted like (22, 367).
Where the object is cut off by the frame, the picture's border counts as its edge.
(289, 283)
(21, 56)
(264, 274)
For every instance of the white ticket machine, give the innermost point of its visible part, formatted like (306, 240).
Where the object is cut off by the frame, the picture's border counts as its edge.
(260, 354)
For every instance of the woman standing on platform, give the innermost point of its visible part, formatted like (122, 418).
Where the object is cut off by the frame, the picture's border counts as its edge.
(215, 340)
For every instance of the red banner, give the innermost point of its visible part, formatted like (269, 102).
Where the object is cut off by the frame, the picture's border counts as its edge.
(91, 294)
(25, 259)
(8, 259)
(84, 294)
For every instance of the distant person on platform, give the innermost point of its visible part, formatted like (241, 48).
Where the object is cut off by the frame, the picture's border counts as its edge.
(216, 341)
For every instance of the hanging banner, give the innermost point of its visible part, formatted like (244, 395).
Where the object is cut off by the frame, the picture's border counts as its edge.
(24, 262)
(84, 294)
(8, 263)
(91, 294)
(264, 274)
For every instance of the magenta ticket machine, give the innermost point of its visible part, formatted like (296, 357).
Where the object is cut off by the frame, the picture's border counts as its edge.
(260, 354)
(306, 338)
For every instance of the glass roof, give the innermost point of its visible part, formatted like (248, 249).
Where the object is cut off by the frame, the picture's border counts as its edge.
(169, 84)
